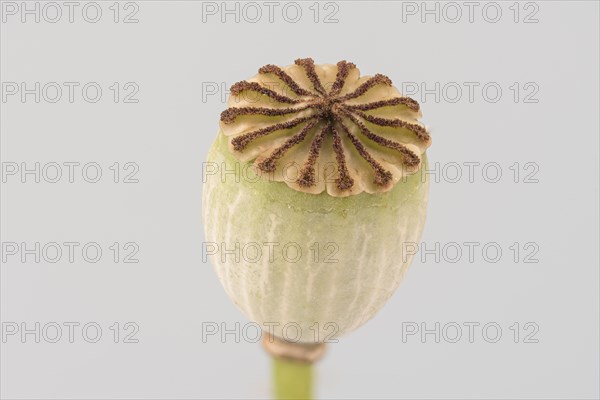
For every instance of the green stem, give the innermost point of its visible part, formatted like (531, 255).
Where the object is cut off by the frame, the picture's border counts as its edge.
(293, 380)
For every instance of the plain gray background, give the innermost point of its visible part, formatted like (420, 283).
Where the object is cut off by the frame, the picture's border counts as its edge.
(176, 60)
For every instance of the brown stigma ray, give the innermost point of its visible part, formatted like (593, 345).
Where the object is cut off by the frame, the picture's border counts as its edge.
(406, 101)
(343, 181)
(239, 87)
(418, 130)
(288, 80)
(309, 67)
(316, 110)
(269, 163)
(378, 79)
(307, 176)
(229, 115)
(343, 70)
(240, 142)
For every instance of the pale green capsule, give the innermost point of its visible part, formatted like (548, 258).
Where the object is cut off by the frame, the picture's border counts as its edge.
(354, 251)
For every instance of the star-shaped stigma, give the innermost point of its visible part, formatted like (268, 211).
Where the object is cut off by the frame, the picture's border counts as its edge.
(305, 107)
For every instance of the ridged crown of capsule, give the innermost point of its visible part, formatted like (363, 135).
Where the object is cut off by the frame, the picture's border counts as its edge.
(325, 128)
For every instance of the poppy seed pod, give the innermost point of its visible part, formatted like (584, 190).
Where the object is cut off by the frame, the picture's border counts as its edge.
(320, 197)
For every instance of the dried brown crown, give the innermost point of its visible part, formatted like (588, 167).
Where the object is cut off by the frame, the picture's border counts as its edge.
(323, 127)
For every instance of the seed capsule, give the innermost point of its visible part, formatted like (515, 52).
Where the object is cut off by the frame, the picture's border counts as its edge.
(334, 157)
